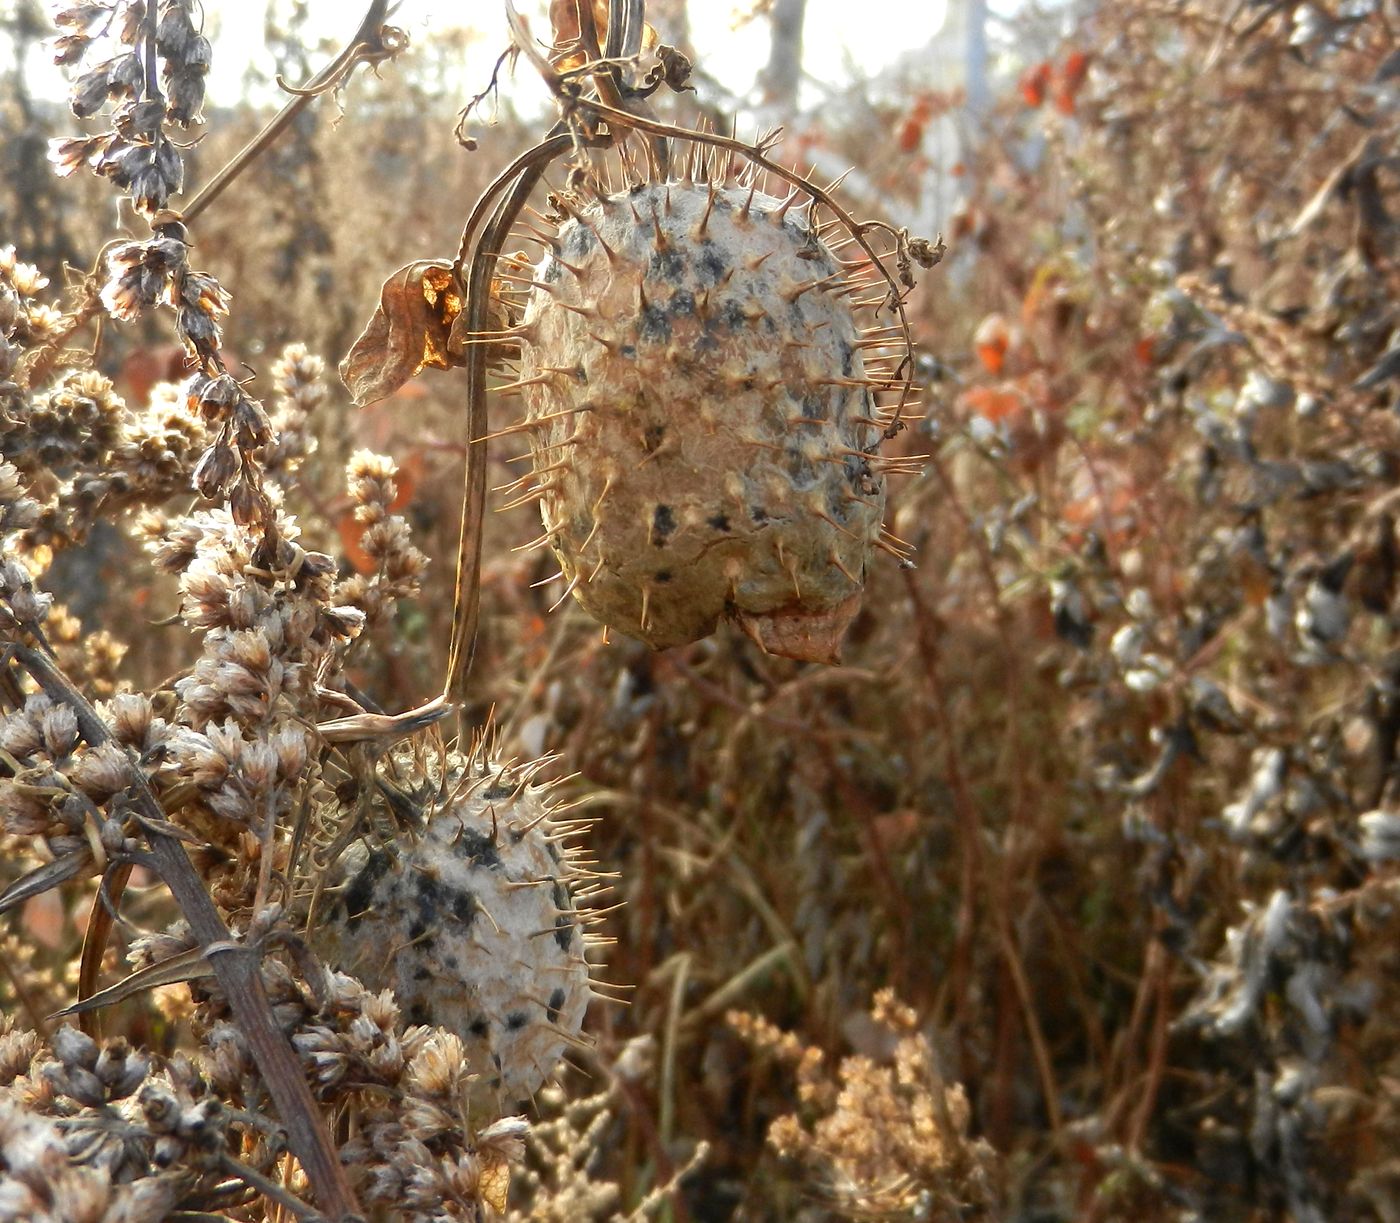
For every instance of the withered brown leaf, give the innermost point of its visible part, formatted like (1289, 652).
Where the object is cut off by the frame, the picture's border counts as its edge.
(410, 329)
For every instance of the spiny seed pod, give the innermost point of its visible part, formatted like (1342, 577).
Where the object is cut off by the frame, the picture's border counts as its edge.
(459, 898)
(702, 428)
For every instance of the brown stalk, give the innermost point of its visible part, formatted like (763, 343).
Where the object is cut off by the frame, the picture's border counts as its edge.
(235, 964)
(472, 272)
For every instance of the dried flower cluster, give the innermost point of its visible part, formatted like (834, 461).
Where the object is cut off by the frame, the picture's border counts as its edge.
(74, 453)
(154, 75)
(885, 1141)
(394, 565)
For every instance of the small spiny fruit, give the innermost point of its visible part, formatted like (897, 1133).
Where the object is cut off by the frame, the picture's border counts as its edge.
(703, 431)
(458, 898)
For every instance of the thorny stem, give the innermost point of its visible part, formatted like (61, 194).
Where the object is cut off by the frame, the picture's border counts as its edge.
(235, 964)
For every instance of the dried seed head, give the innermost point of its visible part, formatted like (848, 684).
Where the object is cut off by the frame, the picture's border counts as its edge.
(703, 431)
(469, 920)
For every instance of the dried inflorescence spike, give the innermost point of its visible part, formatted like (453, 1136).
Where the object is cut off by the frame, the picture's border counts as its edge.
(465, 910)
(703, 426)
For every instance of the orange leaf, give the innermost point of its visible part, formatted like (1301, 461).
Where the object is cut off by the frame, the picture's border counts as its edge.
(1070, 79)
(990, 341)
(410, 470)
(911, 134)
(1034, 82)
(351, 531)
(993, 403)
(494, 1185)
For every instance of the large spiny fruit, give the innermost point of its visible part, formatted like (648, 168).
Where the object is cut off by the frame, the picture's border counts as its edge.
(458, 898)
(702, 428)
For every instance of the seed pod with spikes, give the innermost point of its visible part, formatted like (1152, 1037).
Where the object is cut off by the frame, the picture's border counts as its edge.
(458, 897)
(703, 430)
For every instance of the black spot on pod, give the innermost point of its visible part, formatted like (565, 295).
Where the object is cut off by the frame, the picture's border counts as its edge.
(663, 522)
(578, 240)
(479, 1026)
(556, 1004)
(464, 907)
(720, 522)
(654, 327)
(732, 315)
(428, 895)
(477, 847)
(515, 1021)
(712, 264)
(667, 265)
(563, 924)
(496, 794)
(361, 889)
(418, 1013)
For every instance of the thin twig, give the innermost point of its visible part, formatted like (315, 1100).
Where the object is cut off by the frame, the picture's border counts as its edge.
(368, 46)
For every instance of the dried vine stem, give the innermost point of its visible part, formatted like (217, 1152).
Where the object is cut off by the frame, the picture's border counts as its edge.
(472, 272)
(234, 963)
(372, 43)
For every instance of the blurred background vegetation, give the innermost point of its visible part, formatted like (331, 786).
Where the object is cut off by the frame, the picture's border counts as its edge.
(1105, 788)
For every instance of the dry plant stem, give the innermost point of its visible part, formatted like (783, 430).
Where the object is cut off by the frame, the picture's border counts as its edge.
(624, 17)
(474, 278)
(235, 965)
(367, 46)
(969, 820)
(605, 79)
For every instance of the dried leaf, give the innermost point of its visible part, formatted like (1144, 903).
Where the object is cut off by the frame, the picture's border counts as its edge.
(42, 878)
(494, 1185)
(191, 965)
(409, 330)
